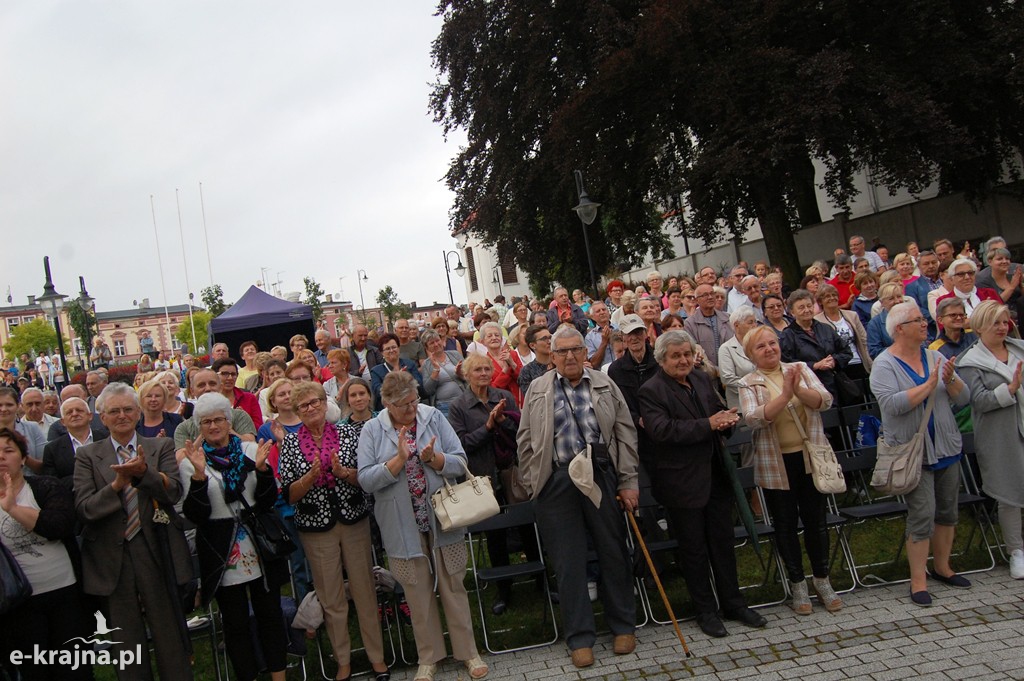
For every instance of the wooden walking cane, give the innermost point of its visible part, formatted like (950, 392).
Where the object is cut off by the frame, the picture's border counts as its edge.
(657, 580)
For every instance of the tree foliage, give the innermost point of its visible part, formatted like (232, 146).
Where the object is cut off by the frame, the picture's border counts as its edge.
(716, 110)
(202, 319)
(32, 338)
(213, 301)
(314, 298)
(391, 306)
(83, 323)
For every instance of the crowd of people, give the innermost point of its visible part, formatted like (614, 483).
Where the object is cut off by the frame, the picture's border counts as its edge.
(591, 401)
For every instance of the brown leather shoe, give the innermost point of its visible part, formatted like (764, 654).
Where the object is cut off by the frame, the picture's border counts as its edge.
(624, 644)
(582, 657)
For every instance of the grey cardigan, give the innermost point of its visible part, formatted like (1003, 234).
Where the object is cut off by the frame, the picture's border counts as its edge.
(392, 501)
(998, 419)
(900, 421)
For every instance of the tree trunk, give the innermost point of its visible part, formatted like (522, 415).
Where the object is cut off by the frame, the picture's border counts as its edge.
(776, 228)
(801, 186)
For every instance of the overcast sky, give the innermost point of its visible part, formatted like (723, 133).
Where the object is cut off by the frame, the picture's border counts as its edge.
(306, 124)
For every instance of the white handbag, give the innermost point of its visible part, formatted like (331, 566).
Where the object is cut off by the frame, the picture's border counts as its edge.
(465, 503)
(826, 471)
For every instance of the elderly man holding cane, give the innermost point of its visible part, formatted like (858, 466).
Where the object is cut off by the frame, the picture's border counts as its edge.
(577, 450)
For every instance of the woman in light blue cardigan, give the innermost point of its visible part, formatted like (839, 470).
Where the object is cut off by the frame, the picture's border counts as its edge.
(903, 377)
(404, 455)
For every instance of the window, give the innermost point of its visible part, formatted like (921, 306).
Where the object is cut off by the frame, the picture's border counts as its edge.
(119, 349)
(474, 285)
(175, 344)
(78, 347)
(26, 320)
(12, 323)
(508, 270)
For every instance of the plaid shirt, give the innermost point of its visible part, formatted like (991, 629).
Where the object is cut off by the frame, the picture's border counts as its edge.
(769, 471)
(569, 441)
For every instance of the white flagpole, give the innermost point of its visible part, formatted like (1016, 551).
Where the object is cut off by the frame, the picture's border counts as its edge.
(184, 261)
(163, 285)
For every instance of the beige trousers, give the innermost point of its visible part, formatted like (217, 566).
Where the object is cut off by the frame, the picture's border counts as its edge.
(345, 547)
(417, 579)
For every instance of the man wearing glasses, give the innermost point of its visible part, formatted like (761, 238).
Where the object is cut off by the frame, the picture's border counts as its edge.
(708, 326)
(209, 381)
(954, 337)
(578, 413)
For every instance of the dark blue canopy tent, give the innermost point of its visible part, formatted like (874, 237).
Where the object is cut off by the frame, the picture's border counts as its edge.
(259, 316)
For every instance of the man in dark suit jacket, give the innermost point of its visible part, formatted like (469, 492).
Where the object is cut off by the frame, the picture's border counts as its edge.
(117, 481)
(685, 418)
(59, 454)
(76, 390)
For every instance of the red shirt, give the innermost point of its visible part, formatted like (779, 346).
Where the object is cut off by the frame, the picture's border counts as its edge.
(846, 289)
(250, 404)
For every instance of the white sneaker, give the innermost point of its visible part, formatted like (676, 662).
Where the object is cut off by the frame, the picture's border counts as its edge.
(1017, 564)
(592, 586)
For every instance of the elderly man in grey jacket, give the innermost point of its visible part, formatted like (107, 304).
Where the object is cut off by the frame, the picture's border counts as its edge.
(568, 412)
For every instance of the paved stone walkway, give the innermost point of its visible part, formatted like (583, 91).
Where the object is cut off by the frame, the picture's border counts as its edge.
(975, 634)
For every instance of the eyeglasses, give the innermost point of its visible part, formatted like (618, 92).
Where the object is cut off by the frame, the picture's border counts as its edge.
(117, 411)
(542, 339)
(963, 275)
(307, 406)
(562, 352)
(228, 374)
(206, 423)
(412, 404)
(955, 315)
(915, 320)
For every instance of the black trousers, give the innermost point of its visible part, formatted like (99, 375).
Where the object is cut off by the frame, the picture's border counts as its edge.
(705, 537)
(48, 620)
(802, 501)
(266, 606)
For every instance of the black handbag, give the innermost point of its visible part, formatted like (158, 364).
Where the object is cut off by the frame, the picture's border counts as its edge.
(268, 533)
(15, 588)
(849, 391)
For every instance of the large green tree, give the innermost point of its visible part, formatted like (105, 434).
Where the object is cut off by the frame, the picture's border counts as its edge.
(715, 109)
(32, 338)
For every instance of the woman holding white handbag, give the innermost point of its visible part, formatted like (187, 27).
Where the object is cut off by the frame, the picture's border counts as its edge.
(903, 378)
(781, 403)
(405, 454)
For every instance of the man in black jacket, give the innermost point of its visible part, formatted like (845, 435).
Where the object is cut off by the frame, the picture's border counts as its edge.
(631, 371)
(686, 419)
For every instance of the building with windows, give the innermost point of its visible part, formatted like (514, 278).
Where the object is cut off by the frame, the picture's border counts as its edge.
(488, 275)
(121, 329)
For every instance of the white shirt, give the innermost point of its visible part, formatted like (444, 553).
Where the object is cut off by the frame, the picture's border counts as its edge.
(45, 561)
(75, 443)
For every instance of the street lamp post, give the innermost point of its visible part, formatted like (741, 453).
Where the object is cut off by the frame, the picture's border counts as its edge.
(460, 270)
(361, 277)
(87, 303)
(587, 212)
(54, 302)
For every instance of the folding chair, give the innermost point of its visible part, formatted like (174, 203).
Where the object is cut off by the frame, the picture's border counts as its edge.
(516, 515)
(857, 465)
(657, 542)
(765, 536)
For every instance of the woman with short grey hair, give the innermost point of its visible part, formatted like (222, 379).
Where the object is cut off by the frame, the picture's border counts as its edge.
(405, 454)
(904, 378)
(442, 372)
(232, 567)
(1004, 277)
(733, 363)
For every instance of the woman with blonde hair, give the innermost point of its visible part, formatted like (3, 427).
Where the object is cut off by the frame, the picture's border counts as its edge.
(992, 369)
(781, 401)
(155, 421)
(889, 295)
(319, 477)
